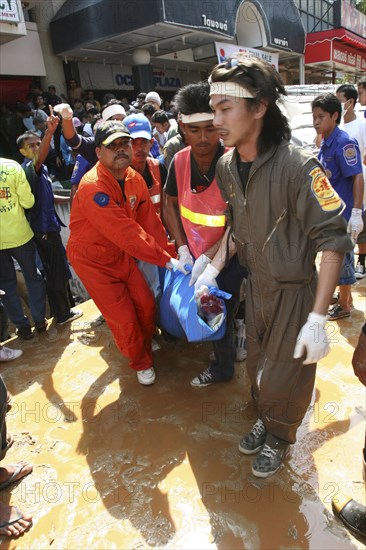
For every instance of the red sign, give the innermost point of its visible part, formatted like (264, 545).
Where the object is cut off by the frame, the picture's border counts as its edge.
(348, 56)
(332, 50)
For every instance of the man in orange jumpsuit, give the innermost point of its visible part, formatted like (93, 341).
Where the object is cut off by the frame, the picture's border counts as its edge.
(113, 222)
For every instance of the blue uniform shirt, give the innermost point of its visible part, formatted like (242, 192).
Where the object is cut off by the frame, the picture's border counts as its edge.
(43, 218)
(82, 166)
(341, 158)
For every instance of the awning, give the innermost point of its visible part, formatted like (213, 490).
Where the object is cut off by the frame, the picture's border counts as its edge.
(345, 36)
(338, 48)
(113, 27)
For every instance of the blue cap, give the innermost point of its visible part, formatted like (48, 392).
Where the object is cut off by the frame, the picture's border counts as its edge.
(138, 126)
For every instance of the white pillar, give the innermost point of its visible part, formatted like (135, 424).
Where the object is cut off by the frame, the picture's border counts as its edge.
(301, 69)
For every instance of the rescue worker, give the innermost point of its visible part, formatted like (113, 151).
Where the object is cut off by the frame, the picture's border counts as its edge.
(194, 215)
(85, 146)
(113, 222)
(282, 210)
(339, 153)
(153, 172)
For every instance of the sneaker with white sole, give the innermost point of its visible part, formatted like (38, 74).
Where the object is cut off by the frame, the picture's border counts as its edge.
(146, 377)
(359, 271)
(253, 441)
(203, 379)
(7, 354)
(268, 461)
(74, 314)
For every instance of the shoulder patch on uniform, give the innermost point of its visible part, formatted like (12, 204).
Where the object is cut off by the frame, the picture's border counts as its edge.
(350, 154)
(322, 190)
(132, 199)
(101, 199)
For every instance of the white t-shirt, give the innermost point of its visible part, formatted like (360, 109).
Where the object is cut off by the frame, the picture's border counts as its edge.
(357, 130)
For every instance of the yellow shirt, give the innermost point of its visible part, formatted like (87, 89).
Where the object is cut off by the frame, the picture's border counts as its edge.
(15, 195)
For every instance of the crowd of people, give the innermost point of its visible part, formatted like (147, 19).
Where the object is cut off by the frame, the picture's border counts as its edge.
(210, 186)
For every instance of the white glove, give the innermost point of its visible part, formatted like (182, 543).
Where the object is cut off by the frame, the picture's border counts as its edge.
(312, 339)
(172, 263)
(199, 266)
(64, 110)
(184, 257)
(355, 224)
(207, 278)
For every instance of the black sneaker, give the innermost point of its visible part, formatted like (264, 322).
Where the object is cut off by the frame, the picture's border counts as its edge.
(41, 326)
(206, 378)
(253, 441)
(74, 314)
(268, 461)
(24, 332)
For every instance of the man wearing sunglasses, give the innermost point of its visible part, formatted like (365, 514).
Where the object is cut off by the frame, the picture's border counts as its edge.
(113, 223)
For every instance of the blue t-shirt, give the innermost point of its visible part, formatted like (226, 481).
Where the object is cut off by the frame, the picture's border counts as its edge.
(341, 158)
(43, 218)
(82, 166)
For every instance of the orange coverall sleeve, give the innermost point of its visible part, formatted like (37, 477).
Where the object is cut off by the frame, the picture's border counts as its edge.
(151, 222)
(113, 222)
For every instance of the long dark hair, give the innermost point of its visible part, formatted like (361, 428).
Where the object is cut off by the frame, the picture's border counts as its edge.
(260, 78)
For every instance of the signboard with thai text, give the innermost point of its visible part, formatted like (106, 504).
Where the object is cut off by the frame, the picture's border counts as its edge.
(337, 53)
(224, 51)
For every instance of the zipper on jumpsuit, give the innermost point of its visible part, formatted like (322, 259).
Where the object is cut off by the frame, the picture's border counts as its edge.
(250, 236)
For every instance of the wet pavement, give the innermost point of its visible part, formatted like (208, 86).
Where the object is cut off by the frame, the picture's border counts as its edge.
(118, 465)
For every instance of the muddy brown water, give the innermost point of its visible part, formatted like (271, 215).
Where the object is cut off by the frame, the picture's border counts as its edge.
(118, 465)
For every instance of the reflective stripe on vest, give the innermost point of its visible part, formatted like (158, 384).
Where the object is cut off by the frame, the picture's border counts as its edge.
(155, 189)
(202, 219)
(155, 199)
(202, 214)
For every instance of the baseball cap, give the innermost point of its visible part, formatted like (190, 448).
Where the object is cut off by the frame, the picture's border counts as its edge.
(109, 131)
(138, 126)
(153, 96)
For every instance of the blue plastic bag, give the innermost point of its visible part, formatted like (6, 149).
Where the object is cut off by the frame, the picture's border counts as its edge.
(178, 310)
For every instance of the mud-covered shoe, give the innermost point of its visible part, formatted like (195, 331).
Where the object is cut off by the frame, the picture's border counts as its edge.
(146, 377)
(253, 441)
(74, 314)
(24, 332)
(268, 461)
(41, 326)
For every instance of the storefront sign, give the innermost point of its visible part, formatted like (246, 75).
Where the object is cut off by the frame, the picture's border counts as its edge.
(9, 11)
(333, 51)
(224, 51)
(348, 56)
(93, 75)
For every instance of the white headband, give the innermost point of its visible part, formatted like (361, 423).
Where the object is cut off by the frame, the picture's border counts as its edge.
(196, 117)
(232, 89)
(112, 111)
